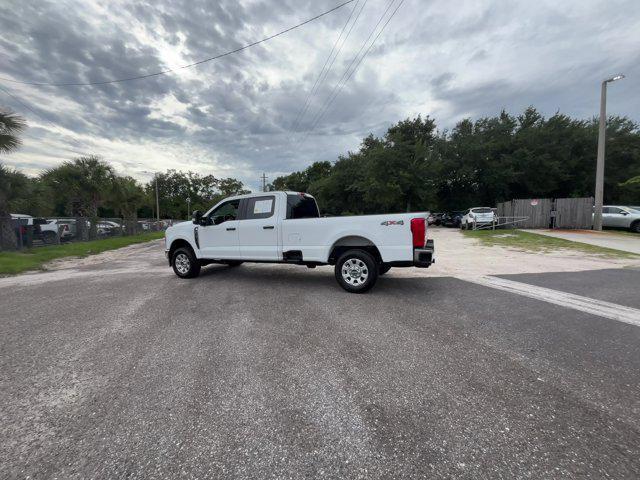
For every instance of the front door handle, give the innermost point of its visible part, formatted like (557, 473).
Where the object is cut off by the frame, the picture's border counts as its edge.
(231, 229)
(268, 227)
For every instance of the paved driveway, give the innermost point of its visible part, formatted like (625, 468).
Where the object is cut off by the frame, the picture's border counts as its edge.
(123, 370)
(608, 238)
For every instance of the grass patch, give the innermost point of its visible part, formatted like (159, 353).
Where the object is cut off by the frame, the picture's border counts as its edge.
(533, 242)
(35, 258)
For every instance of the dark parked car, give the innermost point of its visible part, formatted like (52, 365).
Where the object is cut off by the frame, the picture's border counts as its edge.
(452, 219)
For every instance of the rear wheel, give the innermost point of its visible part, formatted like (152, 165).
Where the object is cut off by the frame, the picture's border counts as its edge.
(185, 264)
(635, 226)
(356, 271)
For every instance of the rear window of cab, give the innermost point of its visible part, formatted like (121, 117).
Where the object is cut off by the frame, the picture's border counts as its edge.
(301, 206)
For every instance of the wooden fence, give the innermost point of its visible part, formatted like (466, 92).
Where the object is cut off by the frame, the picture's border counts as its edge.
(574, 213)
(549, 213)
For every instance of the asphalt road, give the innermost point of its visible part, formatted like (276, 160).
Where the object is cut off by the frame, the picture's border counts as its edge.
(122, 370)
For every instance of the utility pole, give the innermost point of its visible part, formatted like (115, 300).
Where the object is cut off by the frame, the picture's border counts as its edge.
(188, 208)
(264, 182)
(155, 176)
(157, 204)
(602, 131)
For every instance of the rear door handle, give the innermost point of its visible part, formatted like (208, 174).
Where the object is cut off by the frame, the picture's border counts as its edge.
(268, 227)
(230, 229)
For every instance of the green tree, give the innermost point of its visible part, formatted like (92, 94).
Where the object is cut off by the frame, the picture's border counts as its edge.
(11, 182)
(175, 187)
(126, 197)
(11, 126)
(81, 186)
(630, 191)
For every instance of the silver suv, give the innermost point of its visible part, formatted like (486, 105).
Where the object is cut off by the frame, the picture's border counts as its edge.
(619, 216)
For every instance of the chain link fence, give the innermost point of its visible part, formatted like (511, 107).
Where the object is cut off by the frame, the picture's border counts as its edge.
(33, 232)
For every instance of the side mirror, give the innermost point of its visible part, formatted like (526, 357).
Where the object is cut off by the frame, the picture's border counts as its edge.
(197, 217)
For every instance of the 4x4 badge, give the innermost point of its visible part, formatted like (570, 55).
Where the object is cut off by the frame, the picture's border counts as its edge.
(392, 222)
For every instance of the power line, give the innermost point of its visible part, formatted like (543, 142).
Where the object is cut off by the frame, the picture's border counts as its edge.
(320, 79)
(170, 70)
(27, 107)
(346, 75)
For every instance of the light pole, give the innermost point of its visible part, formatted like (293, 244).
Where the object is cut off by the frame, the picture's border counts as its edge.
(597, 213)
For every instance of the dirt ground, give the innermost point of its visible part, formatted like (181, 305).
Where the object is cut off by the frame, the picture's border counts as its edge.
(459, 256)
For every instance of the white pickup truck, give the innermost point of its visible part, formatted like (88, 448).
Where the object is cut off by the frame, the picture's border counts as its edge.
(286, 227)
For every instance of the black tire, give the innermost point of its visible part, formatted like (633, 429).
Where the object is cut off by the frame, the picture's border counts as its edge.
(233, 263)
(363, 265)
(635, 226)
(184, 263)
(383, 268)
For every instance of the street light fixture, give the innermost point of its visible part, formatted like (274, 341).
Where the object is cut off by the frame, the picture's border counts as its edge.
(597, 213)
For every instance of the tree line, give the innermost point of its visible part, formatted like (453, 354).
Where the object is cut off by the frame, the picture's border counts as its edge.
(89, 187)
(413, 166)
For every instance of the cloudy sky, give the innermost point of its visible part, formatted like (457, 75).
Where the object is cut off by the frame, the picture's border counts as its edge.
(241, 115)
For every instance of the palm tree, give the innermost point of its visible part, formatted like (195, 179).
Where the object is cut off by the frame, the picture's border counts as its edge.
(11, 125)
(83, 184)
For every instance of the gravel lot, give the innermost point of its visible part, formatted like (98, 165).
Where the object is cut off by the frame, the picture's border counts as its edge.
(116, 368)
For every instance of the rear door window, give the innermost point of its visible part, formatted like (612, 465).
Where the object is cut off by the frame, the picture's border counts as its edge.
(259, 207)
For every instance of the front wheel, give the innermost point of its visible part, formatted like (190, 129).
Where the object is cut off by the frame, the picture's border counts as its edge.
(185, 264)
(356, 271)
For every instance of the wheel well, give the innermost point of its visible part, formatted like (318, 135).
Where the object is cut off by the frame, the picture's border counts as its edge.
(353, 242)
(179, 243)
(634, 223)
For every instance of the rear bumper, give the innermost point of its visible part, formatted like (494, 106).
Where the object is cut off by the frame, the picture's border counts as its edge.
(424, 257)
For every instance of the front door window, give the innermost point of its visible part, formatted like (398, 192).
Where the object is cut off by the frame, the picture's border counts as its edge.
(226, 212)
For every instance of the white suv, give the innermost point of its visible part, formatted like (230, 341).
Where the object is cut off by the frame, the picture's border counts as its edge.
(477, 216)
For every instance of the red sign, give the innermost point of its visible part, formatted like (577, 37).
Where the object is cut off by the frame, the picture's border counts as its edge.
(534, 202)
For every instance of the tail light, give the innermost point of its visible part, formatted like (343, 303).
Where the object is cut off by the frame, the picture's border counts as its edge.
(419, 231)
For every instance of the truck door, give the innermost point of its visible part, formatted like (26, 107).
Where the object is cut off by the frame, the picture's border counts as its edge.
(219, 239)
(259, 229)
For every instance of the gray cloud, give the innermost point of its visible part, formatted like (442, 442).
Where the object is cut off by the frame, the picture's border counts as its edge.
(235, 116)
